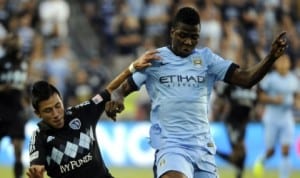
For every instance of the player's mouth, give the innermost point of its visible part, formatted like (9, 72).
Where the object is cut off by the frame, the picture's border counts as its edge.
(186, 50)
(59, 123)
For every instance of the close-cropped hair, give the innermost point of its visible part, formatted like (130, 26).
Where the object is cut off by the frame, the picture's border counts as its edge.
(186, 15)
(42, 91)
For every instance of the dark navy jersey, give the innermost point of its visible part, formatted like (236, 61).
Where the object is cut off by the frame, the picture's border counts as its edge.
(241, 101)
(13, 76)
(13, 72)
(73, 150)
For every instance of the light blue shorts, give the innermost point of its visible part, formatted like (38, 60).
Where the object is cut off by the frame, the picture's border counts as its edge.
(280, 132)
(192, 163)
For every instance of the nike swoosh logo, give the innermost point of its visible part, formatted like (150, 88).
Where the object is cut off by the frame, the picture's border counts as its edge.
(164, 63)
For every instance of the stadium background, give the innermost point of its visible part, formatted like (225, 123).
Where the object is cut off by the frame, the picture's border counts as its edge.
(80, 45)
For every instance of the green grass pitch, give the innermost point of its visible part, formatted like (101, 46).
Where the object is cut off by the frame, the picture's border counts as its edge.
(6, 172)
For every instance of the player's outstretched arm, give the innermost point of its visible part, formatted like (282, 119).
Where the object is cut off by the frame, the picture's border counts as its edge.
(36, 171)
(142, 62)
(250, 76)
(119, 92)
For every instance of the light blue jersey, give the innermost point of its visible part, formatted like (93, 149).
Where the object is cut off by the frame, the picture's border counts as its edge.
(179, 89)
(278, 118)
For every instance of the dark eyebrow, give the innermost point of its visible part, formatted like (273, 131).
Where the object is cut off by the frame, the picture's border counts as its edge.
(50, 107)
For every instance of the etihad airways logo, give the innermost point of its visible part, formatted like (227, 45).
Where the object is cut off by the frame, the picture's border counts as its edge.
(181, 80)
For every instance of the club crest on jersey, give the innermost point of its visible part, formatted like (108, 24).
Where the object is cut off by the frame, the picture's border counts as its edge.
(75, 124)
(197, 61)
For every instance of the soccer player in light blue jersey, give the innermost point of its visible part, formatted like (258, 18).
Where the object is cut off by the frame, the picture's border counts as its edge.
(179, 86)
(278, 90)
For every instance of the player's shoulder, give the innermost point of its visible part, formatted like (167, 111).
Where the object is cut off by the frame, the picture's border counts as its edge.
(164, 51)
(205, 53)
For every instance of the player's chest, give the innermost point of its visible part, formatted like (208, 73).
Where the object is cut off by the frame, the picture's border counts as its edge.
(283, 85)
(75, 138)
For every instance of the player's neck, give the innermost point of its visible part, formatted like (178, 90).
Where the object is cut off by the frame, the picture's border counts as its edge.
(176, 53)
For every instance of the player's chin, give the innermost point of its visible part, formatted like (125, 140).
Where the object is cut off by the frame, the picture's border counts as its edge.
(58, 124)
(185, 52)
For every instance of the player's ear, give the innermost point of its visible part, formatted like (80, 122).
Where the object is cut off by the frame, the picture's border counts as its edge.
(37, 113)
(172, 32)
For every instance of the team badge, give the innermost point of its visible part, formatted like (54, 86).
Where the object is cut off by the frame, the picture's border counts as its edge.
(197, 61)
(75, 124)
(162, 162)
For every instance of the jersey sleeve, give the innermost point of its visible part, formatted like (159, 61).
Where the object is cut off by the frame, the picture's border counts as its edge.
(91, 110)
(138, 79)
(218, 66)
(37, 153)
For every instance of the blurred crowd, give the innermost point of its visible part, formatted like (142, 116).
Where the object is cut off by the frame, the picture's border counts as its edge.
(238, 30)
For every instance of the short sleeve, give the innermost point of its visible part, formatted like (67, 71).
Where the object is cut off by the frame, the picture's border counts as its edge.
(37, 153)
(139, 78)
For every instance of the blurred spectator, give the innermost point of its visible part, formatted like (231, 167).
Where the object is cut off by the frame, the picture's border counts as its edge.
(271, 7)
(155, 19)
(136, 8)
(211, 32)
(25, 31)
(5, 13)
(249, 14)
(58, 65)
(231, 42)
(128, 36)
(99, 75)
(13, 76)
(37, 61)
(108, 10)
(79, 89)
(54, 15)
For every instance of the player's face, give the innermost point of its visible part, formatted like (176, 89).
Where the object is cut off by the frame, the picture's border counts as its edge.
(283, 64)
(52, 111)
(184, 38)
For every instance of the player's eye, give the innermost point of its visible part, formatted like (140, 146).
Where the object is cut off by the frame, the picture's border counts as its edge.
(182, 35)
(195, 37)
(58, 105)
(47, 110)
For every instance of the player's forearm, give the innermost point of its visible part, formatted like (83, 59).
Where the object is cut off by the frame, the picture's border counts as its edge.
(117, 81)
(266, 99)
(251, 76)
(260, 69)
(121, 92)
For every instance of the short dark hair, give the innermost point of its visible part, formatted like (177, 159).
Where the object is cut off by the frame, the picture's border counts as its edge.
(42, 90)
(186, 15)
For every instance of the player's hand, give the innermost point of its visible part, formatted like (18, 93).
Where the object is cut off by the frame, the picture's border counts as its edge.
(145, 60)
(279, 45)
(36, 171)
(278, 99)
(112, 108)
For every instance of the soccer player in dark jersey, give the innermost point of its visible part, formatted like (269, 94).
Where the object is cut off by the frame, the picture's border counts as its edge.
(239, 102)
(65, 144)
(13, 74)
(179, 86)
